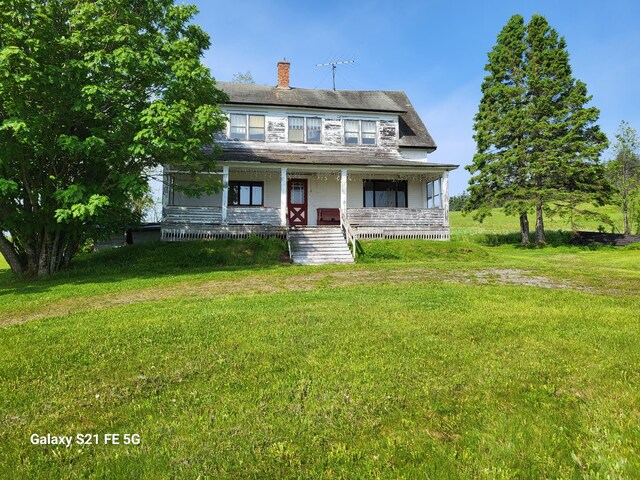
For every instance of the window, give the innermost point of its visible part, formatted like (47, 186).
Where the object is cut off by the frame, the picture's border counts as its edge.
(314, 128)
(385, 193)
(296, 129)
(434, 194)
(359, 132)
(256, 127)
(303, 129)
(247, 194)
(368, 133)
(238, 126)
(238, 130)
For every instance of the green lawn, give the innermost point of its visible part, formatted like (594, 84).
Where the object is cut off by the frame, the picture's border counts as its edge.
(470, 359)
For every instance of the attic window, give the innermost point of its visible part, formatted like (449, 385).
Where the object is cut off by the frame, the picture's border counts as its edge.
(359, 132)
(239, 130)
(305, 129)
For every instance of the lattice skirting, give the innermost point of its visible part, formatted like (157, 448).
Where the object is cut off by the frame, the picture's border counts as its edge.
(397, 234)
(190, 232)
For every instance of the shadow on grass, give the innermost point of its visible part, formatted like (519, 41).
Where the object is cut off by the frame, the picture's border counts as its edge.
(156, 259)
(554, 238)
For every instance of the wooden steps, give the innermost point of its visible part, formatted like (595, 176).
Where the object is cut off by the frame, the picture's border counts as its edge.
(318, 245)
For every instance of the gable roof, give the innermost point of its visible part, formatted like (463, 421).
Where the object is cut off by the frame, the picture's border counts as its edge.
(413, 132)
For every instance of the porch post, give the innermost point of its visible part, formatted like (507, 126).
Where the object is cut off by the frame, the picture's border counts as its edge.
(166, 188)
(225, 192)
(445, 196)
(283, 196)
(343, 192)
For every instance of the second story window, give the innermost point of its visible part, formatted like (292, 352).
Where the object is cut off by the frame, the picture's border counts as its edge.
(314, 127)
(359, 132)
(296, 129)
(305, 129)
(239, 131)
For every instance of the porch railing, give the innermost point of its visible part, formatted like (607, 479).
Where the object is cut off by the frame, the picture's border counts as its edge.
(391, 223)
(349, 235)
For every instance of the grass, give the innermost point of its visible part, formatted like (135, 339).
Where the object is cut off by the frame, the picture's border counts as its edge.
(462, 359)
(465, 227)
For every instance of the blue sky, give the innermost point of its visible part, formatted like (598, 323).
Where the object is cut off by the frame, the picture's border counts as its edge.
(433, 50)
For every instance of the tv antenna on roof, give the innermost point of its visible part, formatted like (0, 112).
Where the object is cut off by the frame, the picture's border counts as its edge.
(333, 66)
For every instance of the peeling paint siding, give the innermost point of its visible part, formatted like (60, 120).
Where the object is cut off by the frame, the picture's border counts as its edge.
(388, 133)
(276, 129)
(333, 132)
(277, 123)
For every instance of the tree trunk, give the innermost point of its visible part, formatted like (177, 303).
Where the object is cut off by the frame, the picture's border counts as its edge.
(44, 254)
(524, 229)
(625, 217)
(9, 253)
(540, 240)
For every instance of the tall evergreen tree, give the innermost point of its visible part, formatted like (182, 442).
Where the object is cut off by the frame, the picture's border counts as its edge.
(500, 131)
(538, 143)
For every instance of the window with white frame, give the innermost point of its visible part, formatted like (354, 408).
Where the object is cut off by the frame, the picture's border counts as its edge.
(434, 194)
(296, 129)
(305, 129)
(359, 132)
(314, 130)
(246, 127)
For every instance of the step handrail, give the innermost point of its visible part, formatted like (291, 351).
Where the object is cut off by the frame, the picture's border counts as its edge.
(350, 236)
(286, 229)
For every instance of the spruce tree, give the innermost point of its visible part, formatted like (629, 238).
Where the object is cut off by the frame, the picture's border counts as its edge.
(538, 144)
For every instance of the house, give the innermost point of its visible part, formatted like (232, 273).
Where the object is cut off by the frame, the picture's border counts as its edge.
(354, 162)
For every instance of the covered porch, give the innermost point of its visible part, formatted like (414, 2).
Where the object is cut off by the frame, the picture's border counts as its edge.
(266, 200)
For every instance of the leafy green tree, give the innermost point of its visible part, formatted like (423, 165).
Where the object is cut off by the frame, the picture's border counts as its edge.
(623, 171)
(538, 144)
(92, 95)
(246, 77)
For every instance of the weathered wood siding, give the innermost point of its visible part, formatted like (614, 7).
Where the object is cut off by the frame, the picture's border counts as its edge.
(214, 232)
(277, 125)
(396, 217)
(253, 216)
(196, 215)
(387, 133)
(276, 129)
(332, 132)
(213, 215)
(394, 223)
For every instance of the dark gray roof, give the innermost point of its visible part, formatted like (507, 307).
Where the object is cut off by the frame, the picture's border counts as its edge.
(236, 152)
(413, 132)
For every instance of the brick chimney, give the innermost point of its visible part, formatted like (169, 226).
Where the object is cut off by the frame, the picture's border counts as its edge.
(283, 74)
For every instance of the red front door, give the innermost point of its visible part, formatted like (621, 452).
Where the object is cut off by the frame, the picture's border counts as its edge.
(297, 201)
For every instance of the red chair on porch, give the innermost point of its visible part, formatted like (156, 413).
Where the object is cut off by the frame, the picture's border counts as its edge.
(328, 216)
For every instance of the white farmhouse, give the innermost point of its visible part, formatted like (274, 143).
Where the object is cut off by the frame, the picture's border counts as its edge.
(353, 162)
